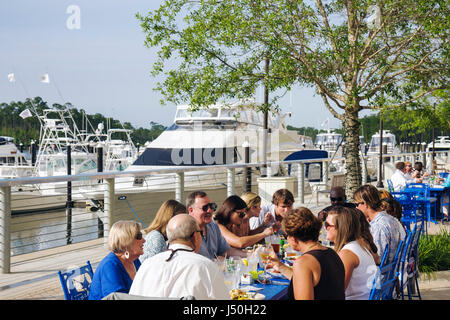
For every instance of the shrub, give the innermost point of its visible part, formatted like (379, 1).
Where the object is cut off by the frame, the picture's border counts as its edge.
(434, 252)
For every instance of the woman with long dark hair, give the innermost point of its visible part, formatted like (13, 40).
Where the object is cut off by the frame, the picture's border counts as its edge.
(229, 218)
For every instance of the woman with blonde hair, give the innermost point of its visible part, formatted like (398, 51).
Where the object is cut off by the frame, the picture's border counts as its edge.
(155, 234)
(116, 271)
(344, 229)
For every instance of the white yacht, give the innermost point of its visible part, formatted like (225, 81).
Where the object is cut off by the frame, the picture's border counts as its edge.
(58, 131)
(388, 139)
(213, 136)
(332, 142)
(441, 143)
(13, 162)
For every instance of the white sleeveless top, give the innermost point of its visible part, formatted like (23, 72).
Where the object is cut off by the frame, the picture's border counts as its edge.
(362, 277)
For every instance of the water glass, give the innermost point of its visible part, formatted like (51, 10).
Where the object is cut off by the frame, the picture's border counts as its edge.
(229, 279)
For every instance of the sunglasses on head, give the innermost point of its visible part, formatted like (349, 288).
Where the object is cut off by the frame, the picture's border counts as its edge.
(211, 205)
(337, 199)
(139, 236)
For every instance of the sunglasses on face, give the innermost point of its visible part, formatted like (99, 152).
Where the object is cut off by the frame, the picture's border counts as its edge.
(336, 199)
(201, 233)
(211, 205)
(139, 236)
(241, 214)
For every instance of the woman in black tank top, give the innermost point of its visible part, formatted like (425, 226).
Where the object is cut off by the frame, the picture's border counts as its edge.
(331, 283)
(326, 268)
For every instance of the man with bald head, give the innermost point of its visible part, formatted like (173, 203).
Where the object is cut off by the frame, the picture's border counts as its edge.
(180, 271)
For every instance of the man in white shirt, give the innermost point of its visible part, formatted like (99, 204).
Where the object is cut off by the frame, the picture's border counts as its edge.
(398, 178)
(180, 271)
(273, 214)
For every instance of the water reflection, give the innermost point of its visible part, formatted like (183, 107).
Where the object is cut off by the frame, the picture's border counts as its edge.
(33, 232)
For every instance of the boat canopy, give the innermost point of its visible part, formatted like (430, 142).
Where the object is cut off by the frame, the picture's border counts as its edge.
(328, 139)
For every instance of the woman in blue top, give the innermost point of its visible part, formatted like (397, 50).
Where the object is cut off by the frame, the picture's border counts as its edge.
(116, 271)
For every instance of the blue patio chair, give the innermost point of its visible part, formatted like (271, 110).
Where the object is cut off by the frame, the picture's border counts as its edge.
(411, 209)
(386, 276)
(76, 282)
(443, 175)
(408, 266)
(427, 203)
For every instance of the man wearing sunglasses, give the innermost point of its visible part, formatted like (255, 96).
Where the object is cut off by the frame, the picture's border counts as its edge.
(337, 198)
(213, 245)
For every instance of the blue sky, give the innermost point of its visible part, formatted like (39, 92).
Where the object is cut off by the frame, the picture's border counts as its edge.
(103, 66)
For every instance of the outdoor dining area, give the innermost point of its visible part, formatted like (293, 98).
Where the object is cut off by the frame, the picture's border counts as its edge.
(266, 268)
(423, 202)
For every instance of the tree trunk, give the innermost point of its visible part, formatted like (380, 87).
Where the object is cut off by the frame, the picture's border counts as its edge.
(352, 157)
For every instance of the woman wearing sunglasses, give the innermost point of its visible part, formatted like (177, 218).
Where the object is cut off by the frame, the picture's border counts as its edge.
(318, 274)
(344, 229)
(116, 271)
(230, 217)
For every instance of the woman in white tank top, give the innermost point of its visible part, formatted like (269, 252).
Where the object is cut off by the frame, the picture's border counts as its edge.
(363, 271)
(343, 228)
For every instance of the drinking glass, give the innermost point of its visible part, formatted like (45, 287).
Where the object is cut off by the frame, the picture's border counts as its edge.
(264, 253)
(229, 279)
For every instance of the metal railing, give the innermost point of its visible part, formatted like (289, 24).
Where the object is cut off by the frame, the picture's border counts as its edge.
(97, 200)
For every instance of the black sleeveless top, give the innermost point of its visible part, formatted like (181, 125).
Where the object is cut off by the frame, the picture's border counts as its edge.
(331, 285)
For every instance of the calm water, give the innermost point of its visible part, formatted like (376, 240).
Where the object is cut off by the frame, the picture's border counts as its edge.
(33, 232)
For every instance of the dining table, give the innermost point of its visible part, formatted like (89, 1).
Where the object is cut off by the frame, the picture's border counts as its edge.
(423, 197)
(276, 289)
(439, 192)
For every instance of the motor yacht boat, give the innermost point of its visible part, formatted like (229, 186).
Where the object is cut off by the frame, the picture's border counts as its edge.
(13, 162)
(216, 135)
(388, 139)
(330, 141)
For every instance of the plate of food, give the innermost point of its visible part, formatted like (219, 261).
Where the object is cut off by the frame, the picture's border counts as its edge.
(256, 296)
(275, 273)
(237, 294)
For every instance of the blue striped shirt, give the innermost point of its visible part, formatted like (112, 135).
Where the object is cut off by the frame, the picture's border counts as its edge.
(386, 229)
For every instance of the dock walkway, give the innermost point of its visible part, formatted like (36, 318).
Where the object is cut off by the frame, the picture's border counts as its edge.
(35, 275)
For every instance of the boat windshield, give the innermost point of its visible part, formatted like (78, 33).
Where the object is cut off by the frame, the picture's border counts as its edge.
(187, 156)
(6, 160)
(88, 165)
(386, 140)
(202, 113)
(328, 139)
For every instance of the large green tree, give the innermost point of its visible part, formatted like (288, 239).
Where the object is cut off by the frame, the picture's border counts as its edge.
(356, 54)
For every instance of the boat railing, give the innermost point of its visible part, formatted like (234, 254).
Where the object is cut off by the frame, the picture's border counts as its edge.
(89, 203)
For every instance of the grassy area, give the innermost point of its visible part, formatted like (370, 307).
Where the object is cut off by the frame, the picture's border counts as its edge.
(434, 252)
